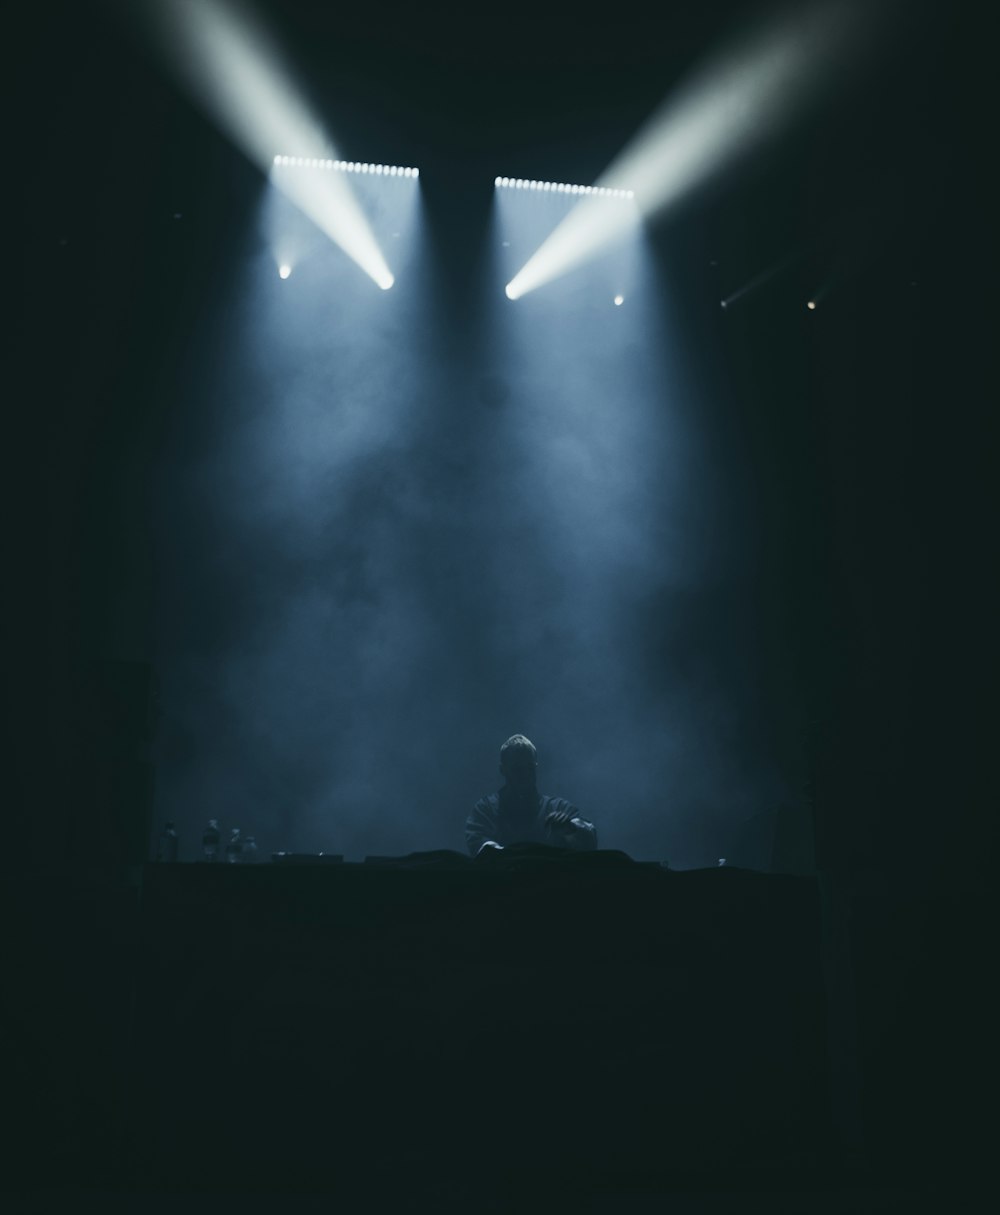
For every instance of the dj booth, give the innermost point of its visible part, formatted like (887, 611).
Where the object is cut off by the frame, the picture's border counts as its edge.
(535, 1018)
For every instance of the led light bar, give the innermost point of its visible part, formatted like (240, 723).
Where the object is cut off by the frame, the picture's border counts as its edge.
(559, 187)
(344, 166)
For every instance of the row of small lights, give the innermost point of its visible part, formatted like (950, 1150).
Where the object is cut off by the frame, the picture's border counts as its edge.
(345, 166)
(558, 187)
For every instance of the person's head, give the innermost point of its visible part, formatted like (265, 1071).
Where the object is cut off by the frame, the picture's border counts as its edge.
(519, 762)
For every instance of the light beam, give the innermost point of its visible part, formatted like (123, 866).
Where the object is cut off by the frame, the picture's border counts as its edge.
(728, 111)
(225, 58)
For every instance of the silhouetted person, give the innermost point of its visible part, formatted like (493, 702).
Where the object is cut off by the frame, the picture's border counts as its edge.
(519, 814)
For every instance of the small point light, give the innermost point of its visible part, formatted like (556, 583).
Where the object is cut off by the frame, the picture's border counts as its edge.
(284, 271)
(619, 300)
(811, 305)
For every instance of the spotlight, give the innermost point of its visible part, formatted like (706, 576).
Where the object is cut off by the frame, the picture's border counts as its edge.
(509, 291)
(811, 305)
(522, 183)
(347, 166)
(619, 300)
(284, 271)
(386, 281)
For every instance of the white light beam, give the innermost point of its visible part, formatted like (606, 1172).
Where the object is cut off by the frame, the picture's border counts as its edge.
(729, 110)
(226, 60)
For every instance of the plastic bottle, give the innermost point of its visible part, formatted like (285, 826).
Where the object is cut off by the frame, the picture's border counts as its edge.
(249, 850)
(166, 845)
(234, 847)
(210, 840)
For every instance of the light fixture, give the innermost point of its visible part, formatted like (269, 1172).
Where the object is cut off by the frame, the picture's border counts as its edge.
(521, 183)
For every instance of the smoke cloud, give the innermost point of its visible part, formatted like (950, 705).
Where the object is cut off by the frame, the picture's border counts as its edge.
(387, 539)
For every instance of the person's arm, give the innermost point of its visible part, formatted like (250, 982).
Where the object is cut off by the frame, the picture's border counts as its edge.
(568, 826)
(480, 827)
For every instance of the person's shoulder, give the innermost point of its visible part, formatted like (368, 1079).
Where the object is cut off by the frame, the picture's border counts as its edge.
(487, 804)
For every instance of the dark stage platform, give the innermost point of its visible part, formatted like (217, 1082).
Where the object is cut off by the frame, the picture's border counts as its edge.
(546, 1019)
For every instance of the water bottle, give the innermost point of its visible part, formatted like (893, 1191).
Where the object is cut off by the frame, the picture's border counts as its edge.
(234, 847)
(166, 845)
(210, 840)
(249, 850)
